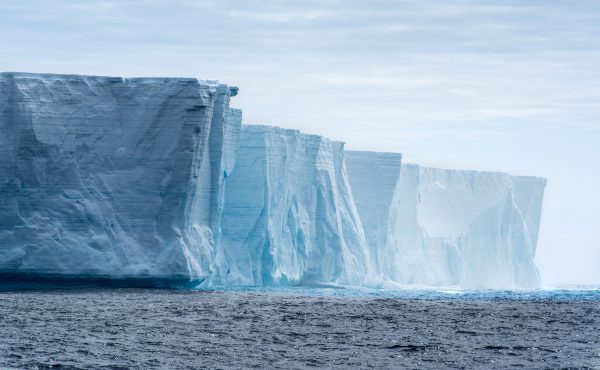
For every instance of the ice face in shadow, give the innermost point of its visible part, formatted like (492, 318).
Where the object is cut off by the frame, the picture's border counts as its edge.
(289, 214)
(448, 227)
(111, 177)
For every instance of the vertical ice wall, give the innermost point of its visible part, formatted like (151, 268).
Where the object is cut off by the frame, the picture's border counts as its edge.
(289, 215)
(466, 228)
(137, 178)
(111, 177)
(529, 196)
(374, 177)
(223, 166)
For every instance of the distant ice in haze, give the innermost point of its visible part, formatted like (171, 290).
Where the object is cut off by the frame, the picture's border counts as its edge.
(438, 227)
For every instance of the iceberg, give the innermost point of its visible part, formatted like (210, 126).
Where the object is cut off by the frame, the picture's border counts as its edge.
(104, 177)
(449, 227)
(155, 181)
(289, 213)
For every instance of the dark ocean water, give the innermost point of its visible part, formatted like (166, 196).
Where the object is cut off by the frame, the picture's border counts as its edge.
(96, 328)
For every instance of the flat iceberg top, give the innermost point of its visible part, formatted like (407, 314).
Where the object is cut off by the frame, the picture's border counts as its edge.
(270, 130)
(114, 79)
(531, 180)
(431, 169)
(366, 154)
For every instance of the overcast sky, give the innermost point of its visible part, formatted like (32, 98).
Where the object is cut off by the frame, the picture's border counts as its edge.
(500, 85)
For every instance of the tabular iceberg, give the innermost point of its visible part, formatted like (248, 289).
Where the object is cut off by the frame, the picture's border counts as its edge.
(289, 213)
(156, 180)
(448, 227)
(110, 177)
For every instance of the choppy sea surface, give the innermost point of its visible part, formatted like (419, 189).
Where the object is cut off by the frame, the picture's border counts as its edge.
(94, 328)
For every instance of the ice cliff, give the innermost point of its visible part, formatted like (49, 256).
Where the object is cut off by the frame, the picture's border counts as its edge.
(289, 213)
(448, 227)
(374, 178)
(155, 180)
(111, 177)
